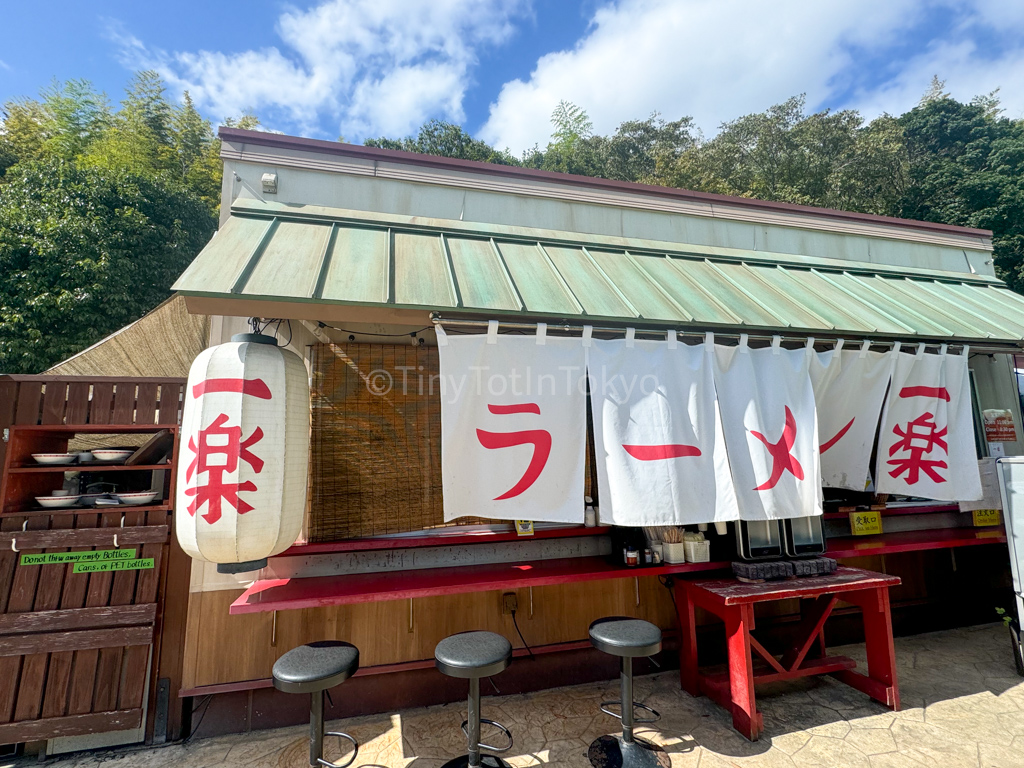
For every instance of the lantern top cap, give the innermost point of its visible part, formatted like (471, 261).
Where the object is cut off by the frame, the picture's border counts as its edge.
(255, 338)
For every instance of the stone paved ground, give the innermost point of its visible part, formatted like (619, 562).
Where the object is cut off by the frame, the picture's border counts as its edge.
(963, 705)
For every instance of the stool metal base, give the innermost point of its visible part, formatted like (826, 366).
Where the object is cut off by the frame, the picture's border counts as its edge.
(351, 758)
(487, 761)
(655, 714)
(613, 752)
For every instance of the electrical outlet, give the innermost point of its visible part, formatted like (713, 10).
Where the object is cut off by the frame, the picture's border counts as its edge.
(509, 603)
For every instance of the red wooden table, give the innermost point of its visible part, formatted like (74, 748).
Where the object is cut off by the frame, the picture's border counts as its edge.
(733, 601)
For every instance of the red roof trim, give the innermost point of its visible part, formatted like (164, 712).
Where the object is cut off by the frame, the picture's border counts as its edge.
(472, 166)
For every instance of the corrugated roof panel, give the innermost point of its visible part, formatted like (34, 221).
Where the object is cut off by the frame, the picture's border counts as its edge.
(702, 306)
(711, 279)
(480, 275)
(225, 256)
(422, 274)
(824, 300)
(754, 280)
(878, 292)
(376, 261)
(590, 287)
(1008, 301)
(861, 300)
(290, 262)
(358, 267)
(537, 281)
(962, 323)
(642, 293)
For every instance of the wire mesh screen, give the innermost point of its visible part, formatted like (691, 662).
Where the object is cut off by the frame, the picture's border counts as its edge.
(376, 442)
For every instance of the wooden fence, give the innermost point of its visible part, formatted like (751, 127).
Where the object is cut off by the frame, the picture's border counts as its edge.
(75, 648)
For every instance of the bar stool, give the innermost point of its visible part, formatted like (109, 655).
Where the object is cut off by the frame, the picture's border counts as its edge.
(312, 669)
(627, 639)
(473, 655)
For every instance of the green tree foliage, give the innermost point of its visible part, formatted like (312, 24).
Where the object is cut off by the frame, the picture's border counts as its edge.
(827, 159)
(100, 210)
(437, 137)
(85, 251)
(967, 168)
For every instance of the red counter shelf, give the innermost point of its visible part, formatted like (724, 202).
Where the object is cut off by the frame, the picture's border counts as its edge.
(319, 591)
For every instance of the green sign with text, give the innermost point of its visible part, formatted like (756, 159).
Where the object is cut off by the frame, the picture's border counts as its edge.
(97, 556)
(114, 565)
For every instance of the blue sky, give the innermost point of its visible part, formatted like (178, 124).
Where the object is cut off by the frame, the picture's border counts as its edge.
(363, 68)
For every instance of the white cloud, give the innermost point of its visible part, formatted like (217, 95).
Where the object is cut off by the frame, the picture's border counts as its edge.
(5, 65)
(719, 59)
(376, 66)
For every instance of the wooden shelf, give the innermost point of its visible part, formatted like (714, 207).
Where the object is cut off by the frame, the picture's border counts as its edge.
(438, 539)
(26, 469)
(284, 594)
(319, 591)
(93, 429)
(37, 511)
(910, 509)
(914, 541)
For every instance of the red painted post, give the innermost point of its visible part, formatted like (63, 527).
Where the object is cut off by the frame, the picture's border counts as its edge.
(689, 676)
(745, 719)
(879, 645)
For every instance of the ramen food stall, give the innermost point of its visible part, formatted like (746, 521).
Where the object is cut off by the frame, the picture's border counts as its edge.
(395, 277)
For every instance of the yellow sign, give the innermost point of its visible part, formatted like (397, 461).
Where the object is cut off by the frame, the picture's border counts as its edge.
(866, 523)
(524, 527)
(984, 517)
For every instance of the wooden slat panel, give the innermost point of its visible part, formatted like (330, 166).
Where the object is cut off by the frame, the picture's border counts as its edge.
(58, 678)
(77, 411)
(54, 402)
(61, 539)
(74, 725)
(32, 685)
(124, 403)
(8, 407)
(145, 407)
(108, 668)
(30, 396)
(101, 404)
(136, 660)
(21, 599)
(85, 639)
(77, 618)
(170, 399)
(83, 676)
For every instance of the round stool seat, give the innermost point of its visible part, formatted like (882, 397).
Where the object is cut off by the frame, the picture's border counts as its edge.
(473, 654)
(316, 666)
(621, 636)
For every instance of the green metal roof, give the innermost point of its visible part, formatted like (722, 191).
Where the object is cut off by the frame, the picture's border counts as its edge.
(308, 254)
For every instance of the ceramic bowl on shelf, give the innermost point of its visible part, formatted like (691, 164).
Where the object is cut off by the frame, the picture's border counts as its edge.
(110, 454)
(55, 458)
(135, 499)
(57, 502)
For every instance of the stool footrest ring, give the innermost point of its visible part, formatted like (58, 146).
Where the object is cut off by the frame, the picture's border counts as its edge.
(636, 705)
(352, 757)
(500, 727)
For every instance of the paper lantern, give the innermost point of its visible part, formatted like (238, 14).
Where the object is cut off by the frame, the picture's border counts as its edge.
(244, 453)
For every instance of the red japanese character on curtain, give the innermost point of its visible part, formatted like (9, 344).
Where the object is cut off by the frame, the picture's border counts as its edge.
(513, 426)
(926, 445)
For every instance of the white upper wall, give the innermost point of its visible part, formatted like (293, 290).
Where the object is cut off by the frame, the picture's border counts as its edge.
(357, 178)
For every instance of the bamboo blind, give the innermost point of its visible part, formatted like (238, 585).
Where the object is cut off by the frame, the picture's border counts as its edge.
(375, 464)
